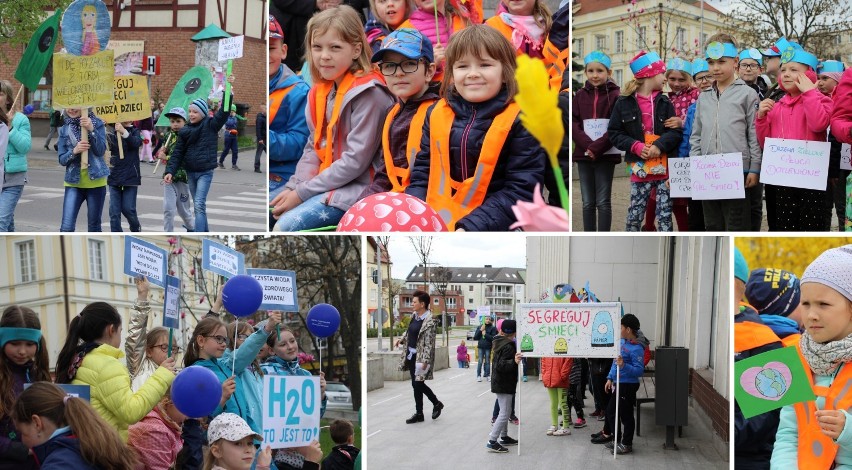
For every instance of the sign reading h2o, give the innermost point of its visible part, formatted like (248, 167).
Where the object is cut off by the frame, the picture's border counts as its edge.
(291, 410)
(221, 260)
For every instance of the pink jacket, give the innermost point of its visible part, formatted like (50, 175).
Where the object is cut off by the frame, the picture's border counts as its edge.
(804, 117)
(841, 118)
(156, 439)
(425, 23)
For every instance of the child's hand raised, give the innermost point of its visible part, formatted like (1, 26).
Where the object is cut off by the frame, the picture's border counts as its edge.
(311, 452)
(264, 458)
(765, 106)
(228, 388)
(143, 287)
(804, 84)
(440, 53)
(831, 422)
(169, 364)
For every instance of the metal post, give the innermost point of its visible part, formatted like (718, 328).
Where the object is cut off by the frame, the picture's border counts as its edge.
(379, 292)
(701, 34)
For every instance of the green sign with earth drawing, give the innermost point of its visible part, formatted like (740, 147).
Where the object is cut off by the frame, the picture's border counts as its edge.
(771, 380)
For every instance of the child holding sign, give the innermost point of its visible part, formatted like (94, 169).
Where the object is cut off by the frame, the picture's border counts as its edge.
(803, 114)
(637, 127)
(124, 177)
(593, 105)
(286, 362)
(83, 184)
(826, 350)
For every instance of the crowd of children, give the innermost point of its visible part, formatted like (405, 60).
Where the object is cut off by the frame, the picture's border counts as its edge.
(720, 103)
(129, 420)
(420, 100)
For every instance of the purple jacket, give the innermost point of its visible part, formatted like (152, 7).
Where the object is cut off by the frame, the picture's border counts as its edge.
(13, 454)
(592, 102)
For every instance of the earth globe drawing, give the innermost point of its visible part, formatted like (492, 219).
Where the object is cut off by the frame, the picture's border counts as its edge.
(770, 383)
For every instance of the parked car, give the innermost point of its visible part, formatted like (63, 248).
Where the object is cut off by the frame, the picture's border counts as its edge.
(471, 332)
(339, 396)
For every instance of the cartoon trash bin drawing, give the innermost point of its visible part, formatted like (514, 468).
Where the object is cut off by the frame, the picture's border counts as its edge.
(526, 343)
(603, 333)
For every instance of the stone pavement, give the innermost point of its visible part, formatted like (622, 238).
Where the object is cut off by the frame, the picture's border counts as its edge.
(458, 437)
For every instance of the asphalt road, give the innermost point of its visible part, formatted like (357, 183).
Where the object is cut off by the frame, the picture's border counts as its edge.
(236, 202)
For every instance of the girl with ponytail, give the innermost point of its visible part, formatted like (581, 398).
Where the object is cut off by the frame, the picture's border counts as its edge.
(91, 357)
(65, 432)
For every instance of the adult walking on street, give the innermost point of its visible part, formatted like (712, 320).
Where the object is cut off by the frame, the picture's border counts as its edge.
(418, 357)
(484, 337)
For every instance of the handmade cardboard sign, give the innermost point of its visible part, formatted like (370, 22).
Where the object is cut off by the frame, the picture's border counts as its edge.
(680, 177)
(279, 289)
(845, 157)
(770, 381)
(82, 81)
(221, 259)
(717, 176)
(291, 410)
(85, 27)
(595, 129)
(131, 100)
(171, 303)
(231, 48)
(39, 50)
(195, 83)
(569, 329)
(142, 258)
(795, 163)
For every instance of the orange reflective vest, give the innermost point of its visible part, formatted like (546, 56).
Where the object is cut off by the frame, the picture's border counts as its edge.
(791, 340)
(401, 177)
(504, 29)
(275, 100)
(317, 99)
(750, 335)
(816, 450)
(453, 200)
(556, 61)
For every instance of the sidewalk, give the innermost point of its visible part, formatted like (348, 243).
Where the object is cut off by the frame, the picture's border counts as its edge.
(621, 199)
(458, 437)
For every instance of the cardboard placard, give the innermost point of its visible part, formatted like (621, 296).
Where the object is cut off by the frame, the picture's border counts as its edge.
(795, 163)
(221, 259)
(569, 329)
(230, 48)
(680, 177)
(717, 176)
(83, 81)
(279, 289)
(770, 381)
(595, 129)
(845, 157)
(142, 258)
(291, 410)
(131, 100)
(171, 303)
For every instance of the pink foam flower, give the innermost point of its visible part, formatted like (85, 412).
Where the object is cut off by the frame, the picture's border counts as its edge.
(537, 216)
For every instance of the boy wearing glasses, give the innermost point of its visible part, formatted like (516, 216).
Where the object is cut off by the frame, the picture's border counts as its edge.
(406, 60)
(750, 68)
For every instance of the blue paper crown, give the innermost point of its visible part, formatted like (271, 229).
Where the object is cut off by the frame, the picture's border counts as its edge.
(831, 66)
(781, 45)
(679, 64)
(717, 50)
(791, 54)
(699, 65)
(645, 61)
(600, 57)
(752, 54)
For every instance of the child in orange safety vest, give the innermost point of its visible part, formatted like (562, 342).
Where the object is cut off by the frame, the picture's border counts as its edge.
(345, 112)
(525, 24)
(817, 435)
(407, 62)
(476, 159)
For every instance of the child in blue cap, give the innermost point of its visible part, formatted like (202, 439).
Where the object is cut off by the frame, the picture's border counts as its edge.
(406, 60)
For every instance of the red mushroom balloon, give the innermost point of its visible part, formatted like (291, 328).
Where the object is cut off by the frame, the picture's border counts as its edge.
(391, 212)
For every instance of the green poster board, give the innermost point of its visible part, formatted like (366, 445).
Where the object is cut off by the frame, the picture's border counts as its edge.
(39, 52)
(195, 83)
(770, 381)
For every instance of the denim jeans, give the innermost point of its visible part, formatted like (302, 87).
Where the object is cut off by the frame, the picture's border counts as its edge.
(74, 198)
(199, 186)
(122, 201)
(484, 357)
(312, 213)
(596, 189)
(230, 146)
(461, 364)
(8, 201)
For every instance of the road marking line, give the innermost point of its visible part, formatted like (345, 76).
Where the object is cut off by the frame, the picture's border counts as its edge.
(483, 393)
(455, 377)
(373, 434)
(383, 401)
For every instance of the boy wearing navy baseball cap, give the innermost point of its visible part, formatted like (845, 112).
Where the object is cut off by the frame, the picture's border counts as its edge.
(406, 60)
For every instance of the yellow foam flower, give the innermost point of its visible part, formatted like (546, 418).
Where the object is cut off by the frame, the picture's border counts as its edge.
(539, 104)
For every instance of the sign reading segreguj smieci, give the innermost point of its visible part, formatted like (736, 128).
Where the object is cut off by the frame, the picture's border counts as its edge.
(569, 329)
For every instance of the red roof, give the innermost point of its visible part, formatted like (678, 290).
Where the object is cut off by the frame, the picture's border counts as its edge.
(588, 6)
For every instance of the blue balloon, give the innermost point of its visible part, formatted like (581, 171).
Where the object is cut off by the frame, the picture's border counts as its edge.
(242, 295)
(323, 320)
(196, 392)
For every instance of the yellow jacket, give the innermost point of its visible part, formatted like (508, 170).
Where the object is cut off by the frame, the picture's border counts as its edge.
(112, 396)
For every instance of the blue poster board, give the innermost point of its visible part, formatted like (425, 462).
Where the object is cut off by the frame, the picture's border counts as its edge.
(171, 303)
(77, 391)
(279, 289)
(143, 258)
(221, 259)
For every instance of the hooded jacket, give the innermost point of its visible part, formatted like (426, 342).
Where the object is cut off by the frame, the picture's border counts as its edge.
(125, 171)
(357, 147)
(288, 129)
(196, 148)
(593, 102)
(61, 451)
(802, 117)
(633, 354)
(139, 365)
(504, 370)
(485, 340)
(725, 124)
(112, 396)
(626, 128)
(555, 371)
(841, 117)
(519, 167)
(15, 159)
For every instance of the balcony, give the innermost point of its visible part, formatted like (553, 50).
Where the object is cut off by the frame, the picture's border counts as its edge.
(498, 294)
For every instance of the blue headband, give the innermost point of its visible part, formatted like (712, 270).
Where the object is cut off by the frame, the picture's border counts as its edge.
(644, 61)
(679, 64)
(598, 56)
(831, 66)
(717, 50)
(791, 54)
(779, 47)
(699, 65)
(752, 54)
(19, 334)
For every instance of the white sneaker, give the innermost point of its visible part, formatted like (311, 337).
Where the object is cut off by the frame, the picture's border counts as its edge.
(551, 430)
(479, 379)
(488, 378)
(562, 432)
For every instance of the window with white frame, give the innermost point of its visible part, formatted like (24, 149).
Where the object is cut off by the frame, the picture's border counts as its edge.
(642, 35)
(406, 301)
(681, 39)
(97, 260)
(618, 77)
(619, 41)
(600, 42)
(579, 47)
(25, 261)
